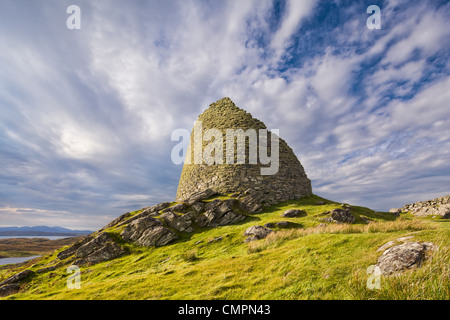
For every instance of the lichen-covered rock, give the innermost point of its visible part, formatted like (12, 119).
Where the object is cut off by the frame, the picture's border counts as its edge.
(73, 248)
(438, 206)
(156, 237)
(342, 215)
(219, 213)
(201, 195)
(181, 223)
(294, 213)
(16, 278)
(99, 249)
(136, 228)
(403, 256)
(9, 289)
(256, 233)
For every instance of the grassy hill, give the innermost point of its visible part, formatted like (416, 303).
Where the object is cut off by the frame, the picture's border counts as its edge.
(308, 260)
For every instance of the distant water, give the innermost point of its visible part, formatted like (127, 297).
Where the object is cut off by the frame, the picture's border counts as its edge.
(29, 237)
(4, 261)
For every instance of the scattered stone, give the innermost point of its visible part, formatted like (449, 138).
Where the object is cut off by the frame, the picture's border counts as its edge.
(293, 213)
(256, 233)
(342, 215)
(403, 256)
(47, 269)
(269, 225)
(319, 203)
(282, 224)
(345, 206)
(215, 239)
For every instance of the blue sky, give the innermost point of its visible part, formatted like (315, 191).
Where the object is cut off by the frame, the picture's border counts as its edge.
(86, 115)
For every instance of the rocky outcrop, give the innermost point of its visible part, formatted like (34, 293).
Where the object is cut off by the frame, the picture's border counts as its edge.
(403, 256)
(256, 233)
(219, 213)
(93, 249)
(99, 249)
(438, 206)
(12, 284)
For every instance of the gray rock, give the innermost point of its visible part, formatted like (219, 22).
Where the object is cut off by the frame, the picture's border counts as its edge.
(219, 213)
(156, 237)
(73, 248)
(99, 249)
(257, 232)
(403, 256)
(16, 278)
(282, 224)
(319, 203)
(446, 215)
(9, 289)
(181, 223)
(179, 207)
(269, 225)
(251, 203)
(136, 228)
(342, 215)
(294, 213)
(197, 206)
(146, 212)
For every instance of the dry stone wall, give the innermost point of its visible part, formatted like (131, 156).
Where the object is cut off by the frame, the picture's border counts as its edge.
(290, 182)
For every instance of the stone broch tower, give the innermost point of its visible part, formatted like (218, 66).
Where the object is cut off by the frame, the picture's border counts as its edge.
(290, 182)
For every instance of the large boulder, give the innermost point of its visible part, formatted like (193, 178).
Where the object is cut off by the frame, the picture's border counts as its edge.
(342, 215)
(256, 233)
(403, 256)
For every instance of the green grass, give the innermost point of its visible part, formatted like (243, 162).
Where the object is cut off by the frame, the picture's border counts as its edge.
(306, 261)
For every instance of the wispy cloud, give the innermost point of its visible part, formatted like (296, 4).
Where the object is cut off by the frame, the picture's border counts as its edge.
(86, 115)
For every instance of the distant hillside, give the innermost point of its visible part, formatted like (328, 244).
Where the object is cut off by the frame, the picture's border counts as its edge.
(41, 231)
